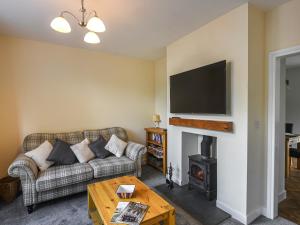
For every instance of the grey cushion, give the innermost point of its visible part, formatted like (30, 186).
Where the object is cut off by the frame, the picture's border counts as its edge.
(62, 154)
(60, 176)
(98, 148)
(111, 166)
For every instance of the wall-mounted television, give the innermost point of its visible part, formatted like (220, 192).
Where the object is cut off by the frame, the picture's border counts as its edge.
(199, 91)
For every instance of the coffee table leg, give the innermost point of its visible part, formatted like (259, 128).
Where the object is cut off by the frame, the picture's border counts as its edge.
(91, 205)
(171, 218)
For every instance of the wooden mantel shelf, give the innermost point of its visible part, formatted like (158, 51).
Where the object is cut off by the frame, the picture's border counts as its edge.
(202, 124)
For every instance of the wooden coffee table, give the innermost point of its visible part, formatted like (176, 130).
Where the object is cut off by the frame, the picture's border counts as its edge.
(102, 201)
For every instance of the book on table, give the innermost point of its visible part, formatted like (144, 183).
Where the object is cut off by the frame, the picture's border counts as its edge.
(131, 213)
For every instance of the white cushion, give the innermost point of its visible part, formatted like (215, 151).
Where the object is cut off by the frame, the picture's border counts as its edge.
(40, 155)
(116, 146)
(82, 151)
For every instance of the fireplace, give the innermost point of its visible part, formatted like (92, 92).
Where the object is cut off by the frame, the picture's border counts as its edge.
(197, 172)
(203, 170)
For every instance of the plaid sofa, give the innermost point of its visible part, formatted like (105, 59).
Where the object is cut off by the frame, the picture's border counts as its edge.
(57, 181)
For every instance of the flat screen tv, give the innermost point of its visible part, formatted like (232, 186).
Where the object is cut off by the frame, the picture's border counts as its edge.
(199, 91)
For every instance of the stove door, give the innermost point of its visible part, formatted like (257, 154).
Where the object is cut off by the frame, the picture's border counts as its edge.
(198, 175)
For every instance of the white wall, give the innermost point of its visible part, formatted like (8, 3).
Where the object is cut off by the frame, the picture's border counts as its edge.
(190, 146)
(293, 99)
(256, 110)
(281, 31)
(161, 90)
(224, 38)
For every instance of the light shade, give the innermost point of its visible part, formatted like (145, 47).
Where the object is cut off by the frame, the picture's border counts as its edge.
(156, 118)
(96, 25)
(60, 24)
(91, 38)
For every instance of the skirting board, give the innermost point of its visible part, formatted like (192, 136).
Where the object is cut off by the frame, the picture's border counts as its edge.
(249, 218)
(281, 196)
(177, 181)
(234, 213)
(254, 214)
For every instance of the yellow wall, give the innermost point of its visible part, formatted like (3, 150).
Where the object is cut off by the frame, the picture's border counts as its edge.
(282, 26)
(52, 88)
(9, 124)
(161, 90)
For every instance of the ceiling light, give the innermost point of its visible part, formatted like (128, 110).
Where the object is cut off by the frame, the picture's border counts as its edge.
(91, 38)
(60, 24)
(94, 24)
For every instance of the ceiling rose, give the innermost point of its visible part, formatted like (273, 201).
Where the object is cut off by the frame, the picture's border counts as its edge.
(89, 20)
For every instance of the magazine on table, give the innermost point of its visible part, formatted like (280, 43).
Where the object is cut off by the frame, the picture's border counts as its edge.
(131, 213)
(120, 207)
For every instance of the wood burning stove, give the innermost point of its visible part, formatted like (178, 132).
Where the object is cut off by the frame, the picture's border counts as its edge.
(203, 171)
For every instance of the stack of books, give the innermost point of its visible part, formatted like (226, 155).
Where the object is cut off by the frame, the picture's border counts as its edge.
(157, 138)
(156, 151)
(131, 213)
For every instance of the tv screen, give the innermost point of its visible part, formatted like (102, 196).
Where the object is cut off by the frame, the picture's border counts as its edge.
(201, 90)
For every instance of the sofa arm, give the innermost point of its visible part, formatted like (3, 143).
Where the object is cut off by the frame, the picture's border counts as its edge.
(135, 152)
(23, 164)
(25, 168)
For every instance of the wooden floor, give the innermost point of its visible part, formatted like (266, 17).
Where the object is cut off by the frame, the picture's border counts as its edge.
(290, 208)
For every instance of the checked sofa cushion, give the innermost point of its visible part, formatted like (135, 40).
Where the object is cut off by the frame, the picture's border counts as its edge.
(32, 141)
(112, 166)
(93, 135)
(65, 175)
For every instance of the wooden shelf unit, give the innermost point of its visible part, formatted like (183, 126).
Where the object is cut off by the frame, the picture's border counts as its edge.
(162, 133)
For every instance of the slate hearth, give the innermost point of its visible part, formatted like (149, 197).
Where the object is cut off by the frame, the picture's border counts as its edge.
(194, 203)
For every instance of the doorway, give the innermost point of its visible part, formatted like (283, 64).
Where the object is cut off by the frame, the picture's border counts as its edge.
(289, 206)
(277, 139)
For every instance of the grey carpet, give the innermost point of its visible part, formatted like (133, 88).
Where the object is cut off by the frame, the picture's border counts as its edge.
(261, 221)
(73, 210)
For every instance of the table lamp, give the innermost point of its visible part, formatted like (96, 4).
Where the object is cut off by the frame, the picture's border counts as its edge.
(156, 120)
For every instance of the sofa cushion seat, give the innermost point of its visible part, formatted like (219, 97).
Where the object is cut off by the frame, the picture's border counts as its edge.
(64, 175)
(112, 166)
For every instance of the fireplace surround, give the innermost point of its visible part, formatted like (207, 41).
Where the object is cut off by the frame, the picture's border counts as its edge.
(203, 170)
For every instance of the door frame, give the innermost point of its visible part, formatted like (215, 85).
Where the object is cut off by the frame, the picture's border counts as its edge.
(273, 125)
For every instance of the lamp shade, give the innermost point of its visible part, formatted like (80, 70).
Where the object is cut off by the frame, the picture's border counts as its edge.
(91, 38)
(95, 24)
(60, 24)
(156, 118)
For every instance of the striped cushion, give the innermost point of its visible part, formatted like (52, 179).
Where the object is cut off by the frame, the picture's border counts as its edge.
(60, 176)
(111, 166)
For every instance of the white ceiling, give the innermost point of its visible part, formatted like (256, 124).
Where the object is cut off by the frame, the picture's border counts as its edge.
(139, 28)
